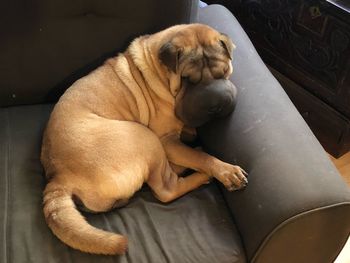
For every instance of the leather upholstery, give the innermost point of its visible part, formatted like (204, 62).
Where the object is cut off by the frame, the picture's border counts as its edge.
(295, 208)
(195, 228)
(46, 45)
(295, 194)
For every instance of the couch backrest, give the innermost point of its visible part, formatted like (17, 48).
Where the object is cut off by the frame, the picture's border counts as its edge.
(45, 45)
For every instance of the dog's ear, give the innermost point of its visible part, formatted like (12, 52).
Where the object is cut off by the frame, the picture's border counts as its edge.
(169, 55)
(227, 44)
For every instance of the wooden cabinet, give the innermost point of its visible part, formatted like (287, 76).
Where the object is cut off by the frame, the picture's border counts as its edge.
(306, 43)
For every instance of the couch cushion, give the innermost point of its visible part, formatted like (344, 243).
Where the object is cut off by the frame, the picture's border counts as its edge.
(194, 228)
(46, 45)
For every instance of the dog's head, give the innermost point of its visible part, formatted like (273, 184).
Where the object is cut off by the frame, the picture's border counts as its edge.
(196, 55)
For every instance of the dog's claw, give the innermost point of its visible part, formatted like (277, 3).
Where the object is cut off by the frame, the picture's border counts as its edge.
(244, 172)
(235, 188)
(231, 189)
(245, 181)
(232, 176)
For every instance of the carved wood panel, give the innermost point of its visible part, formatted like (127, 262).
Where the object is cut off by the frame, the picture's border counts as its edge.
(306, 40)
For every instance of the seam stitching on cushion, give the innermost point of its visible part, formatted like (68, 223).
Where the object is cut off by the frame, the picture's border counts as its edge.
(189, 8)
(7, 189)
(293, 218)
(8, 221)
(289, 220)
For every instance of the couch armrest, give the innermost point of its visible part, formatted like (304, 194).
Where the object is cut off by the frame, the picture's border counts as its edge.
(296, 207)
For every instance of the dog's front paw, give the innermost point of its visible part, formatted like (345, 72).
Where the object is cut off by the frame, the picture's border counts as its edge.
(232, 177)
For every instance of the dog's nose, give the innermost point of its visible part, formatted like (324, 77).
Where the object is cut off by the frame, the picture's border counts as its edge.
(204, 101)
(215, 109)
(221, 98)
(223, 107)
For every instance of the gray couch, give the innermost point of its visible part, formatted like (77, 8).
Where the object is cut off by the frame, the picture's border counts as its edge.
(295, 209)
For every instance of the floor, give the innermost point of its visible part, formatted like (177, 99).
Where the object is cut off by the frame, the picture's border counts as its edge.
(343, 165)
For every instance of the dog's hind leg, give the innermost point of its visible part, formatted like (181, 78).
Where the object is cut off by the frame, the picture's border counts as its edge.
(168, 186)
(179, 170)
(100, 206)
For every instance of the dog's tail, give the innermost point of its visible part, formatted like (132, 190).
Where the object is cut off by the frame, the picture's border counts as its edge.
(71, 227)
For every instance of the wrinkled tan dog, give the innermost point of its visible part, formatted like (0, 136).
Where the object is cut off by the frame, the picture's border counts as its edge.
(116, 128)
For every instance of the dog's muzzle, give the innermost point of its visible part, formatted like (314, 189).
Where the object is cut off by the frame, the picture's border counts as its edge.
(205, 101)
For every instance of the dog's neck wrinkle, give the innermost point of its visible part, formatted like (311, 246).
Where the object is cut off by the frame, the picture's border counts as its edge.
(143, 85)
(152, 61)
(132, 99)
(162, 96)
(155, 79)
